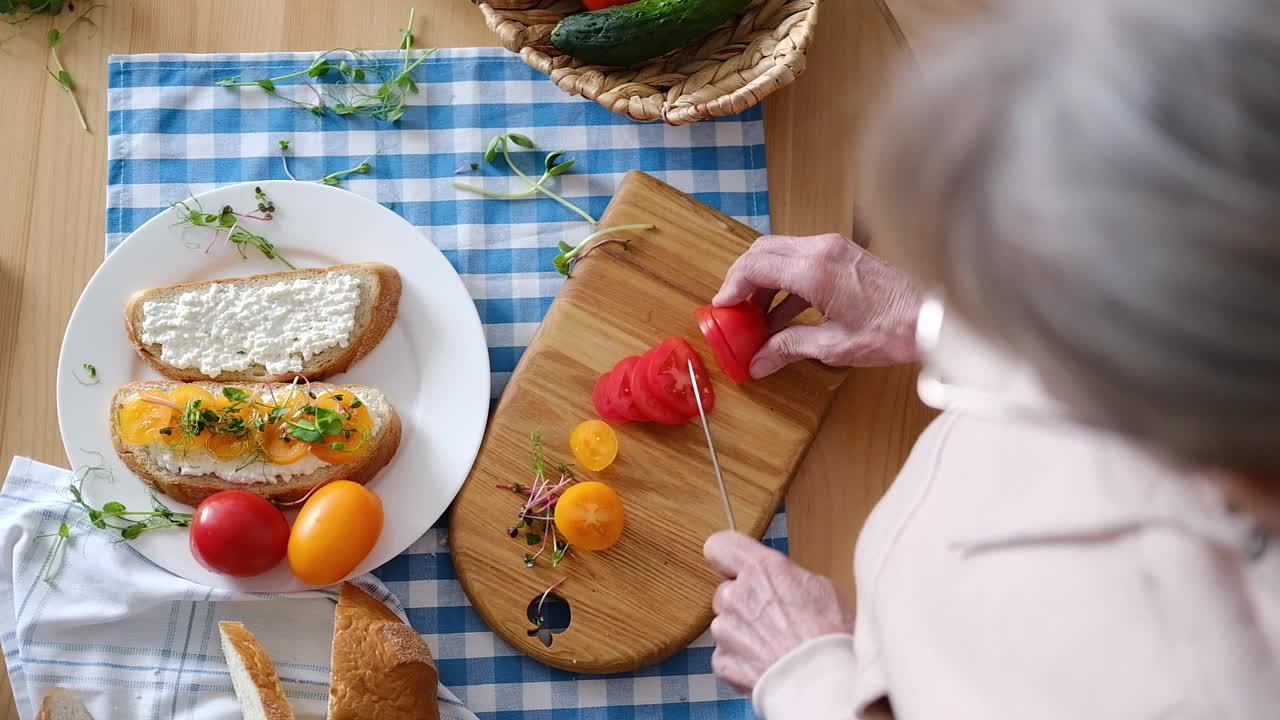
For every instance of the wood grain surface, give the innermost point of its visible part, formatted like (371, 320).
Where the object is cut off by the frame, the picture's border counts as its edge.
(650, 595)
(52, 200)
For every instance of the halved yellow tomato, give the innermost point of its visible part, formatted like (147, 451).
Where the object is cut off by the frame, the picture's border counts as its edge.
(182, 396)
(141, 417)
(357, 428)
(589, 515)
(280, 447)
(594, 444)
(227, 446)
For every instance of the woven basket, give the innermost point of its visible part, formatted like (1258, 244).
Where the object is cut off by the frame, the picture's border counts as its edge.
(726, 72)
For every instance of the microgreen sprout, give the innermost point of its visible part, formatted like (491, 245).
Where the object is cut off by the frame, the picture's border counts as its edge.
(90, 375)
(59, 72)
(353, 67)
(111, 516)
(543, 600)
(553, 164)
(536, 519)
(226, 223)
(333, 178)
(570, 255)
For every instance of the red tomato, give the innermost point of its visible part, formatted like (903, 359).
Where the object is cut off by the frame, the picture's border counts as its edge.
(600, 398)
(618, 390)
(645, 395)
(238, 533)
(735, 335)
(666, 376)
(602, 4)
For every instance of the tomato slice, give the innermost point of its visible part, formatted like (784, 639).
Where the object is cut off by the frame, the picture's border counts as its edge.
(645, 394)
(667, 378)
(600, 399)
(618, 390)
(737, 370)
(735, 334)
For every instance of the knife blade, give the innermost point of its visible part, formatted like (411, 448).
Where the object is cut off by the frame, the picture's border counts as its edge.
(711, 447)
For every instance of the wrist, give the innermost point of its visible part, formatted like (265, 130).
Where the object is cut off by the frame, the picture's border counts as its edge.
(898, 325)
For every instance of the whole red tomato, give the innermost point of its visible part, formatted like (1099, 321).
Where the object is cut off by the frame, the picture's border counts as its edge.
(602, 4)
(735, 334)
(238, 533)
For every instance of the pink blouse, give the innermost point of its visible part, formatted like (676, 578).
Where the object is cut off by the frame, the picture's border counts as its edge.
(1041, 571)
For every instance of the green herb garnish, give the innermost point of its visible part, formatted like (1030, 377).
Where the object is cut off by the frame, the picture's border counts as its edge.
(111, 516)
(570, 255)
(326, 422)
(226, 223)
(59, 72)
(552, 164)
(349, 98)
(90, 372)
(235, 395)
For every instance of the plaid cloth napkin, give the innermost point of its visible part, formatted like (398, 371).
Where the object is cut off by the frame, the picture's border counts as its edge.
(133, 640)
(173, 133)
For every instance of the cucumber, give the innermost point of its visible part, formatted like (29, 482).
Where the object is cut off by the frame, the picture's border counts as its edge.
(629, 34)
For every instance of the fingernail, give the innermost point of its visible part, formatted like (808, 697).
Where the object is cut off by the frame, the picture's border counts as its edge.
(761, 368)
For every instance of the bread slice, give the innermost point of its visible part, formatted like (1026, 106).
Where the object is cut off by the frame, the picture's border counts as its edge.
(62, 704)
(191, 489)
(253, 675)
(382, 668)
(379, 302)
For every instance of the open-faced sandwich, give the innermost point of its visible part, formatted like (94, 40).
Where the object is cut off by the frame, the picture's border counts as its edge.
(265, 328)
(278, 440)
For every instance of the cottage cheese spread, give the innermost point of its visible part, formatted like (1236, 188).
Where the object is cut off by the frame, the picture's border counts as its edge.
(199, 462)
(227, 327)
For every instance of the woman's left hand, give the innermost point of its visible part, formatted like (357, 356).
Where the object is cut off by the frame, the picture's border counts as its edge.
(766, 607)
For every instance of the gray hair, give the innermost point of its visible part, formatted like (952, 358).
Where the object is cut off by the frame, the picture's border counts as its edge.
(1096, 185)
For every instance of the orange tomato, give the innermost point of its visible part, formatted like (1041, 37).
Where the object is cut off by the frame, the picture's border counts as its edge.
(139, 420)
(357, 426)
(594, 444)
(229, 447)
(183, 395)
(335, 530)
(589, 515)
(280, 447)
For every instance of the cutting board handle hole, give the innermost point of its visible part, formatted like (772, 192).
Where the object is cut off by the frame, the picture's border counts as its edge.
(554, 618)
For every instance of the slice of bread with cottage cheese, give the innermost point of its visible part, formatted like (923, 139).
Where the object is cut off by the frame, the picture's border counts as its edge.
(265, 328)
(148, 421)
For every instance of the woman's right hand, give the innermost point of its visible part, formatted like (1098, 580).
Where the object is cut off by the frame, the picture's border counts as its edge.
(870, 307)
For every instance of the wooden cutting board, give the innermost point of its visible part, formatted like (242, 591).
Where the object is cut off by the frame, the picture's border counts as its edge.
(649, 596)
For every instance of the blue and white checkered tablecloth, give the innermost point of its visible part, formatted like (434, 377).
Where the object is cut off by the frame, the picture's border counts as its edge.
(173, 133)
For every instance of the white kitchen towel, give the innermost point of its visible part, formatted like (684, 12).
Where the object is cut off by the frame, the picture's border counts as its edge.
(133, 640)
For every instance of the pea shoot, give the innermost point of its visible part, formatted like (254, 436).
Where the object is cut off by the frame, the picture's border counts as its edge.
(348, 97)
(59, 72)
(111, 516)
(571, 255)
(333, 179)
(553, 164)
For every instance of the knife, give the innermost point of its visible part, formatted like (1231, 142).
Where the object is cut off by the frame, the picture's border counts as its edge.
(711, 447)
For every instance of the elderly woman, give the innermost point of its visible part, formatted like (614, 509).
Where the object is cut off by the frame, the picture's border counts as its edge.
(1093, 189)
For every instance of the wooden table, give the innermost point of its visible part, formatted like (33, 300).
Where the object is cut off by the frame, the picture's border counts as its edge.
(52, 198)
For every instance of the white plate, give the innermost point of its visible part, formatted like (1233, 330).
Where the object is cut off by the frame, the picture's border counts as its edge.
(433, 365)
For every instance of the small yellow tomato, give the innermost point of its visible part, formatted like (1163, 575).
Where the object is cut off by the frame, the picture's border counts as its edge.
(589, 516)
(594, 444)
(335, 530)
